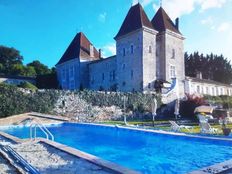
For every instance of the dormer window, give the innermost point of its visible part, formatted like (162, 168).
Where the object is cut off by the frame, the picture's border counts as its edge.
(91, 50)
(173, 54)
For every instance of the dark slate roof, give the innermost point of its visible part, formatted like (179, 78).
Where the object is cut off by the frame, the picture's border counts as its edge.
(161, 21)
(102, 59)
(136, 18)
(79, 48)
(194, 79)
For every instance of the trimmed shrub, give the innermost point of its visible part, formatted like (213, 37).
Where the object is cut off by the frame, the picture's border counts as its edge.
(27, 85)
(15, 100)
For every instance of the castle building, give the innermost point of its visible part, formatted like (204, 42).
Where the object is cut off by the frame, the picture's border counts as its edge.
(146, 52)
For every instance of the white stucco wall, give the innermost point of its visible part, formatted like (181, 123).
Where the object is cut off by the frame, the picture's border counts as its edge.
(198, 88)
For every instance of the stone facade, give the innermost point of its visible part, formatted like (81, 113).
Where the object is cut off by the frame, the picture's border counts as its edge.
(146, 52)
(102, 74)
(68, 74)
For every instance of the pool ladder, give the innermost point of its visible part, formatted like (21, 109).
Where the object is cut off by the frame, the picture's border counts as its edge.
(37, 124)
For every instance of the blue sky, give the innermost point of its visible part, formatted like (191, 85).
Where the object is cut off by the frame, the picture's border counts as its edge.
(43, 29)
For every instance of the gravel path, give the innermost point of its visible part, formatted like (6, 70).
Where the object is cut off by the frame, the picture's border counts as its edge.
(47, 160)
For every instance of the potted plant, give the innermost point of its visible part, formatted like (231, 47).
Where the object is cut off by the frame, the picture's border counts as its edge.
(223, 122)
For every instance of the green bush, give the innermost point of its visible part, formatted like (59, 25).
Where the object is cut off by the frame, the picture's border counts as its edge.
(134, 101)
(27, 85)
(14, 100)
(224, 101)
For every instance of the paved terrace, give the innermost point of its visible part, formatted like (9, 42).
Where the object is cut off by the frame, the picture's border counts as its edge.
(51, 157)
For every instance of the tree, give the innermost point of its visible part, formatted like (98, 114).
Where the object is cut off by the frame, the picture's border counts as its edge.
(29, 71)
(40, 68)
(9, 57)
(211, 66)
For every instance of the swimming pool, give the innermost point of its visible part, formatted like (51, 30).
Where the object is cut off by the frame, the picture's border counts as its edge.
(146, 152)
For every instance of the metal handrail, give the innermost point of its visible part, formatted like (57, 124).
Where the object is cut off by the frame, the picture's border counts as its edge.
(22, 162)
(38, 124)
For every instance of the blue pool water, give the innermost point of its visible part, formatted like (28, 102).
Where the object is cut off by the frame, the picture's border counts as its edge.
(142, 151)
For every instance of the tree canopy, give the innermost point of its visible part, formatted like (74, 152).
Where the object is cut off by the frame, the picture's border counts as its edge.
(211, 66)
(11, 63)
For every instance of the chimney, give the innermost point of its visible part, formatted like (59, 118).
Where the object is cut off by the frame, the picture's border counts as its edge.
(177, 23)
(199, 75)
(100, 52)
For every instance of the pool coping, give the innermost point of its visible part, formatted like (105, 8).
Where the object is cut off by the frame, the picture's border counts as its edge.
(220, 167)
(107, 165)
(134, 128)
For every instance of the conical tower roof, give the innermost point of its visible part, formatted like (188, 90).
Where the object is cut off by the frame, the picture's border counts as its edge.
(162, 21)
(79, 48)
(136, 18)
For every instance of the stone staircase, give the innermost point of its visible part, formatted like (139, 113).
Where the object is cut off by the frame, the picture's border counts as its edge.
(172, 93)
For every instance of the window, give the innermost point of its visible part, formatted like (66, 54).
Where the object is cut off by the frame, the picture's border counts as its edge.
(113, 75)
(207, 90)
(63, 74)
(71, 71)
(132, 49)
(198, 89)
(71, 84)
(124, 52)
(123, 66)
(172, 71)
(132, 74)
(150, 49)
(222, 91)
(173, 54)
(213, 91)
(92, 80)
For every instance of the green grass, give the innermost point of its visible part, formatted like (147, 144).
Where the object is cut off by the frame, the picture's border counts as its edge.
(148, 124)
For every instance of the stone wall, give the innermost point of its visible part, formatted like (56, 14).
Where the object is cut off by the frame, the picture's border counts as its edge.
(71, 105)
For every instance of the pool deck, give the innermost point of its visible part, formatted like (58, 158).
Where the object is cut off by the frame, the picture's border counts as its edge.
(71, 160)
(100, 165)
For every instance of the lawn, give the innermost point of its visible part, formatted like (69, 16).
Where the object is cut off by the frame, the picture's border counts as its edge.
(162, 125)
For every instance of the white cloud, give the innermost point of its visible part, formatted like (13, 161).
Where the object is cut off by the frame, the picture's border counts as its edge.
(207, 21)
(135, 2)
(206, 4)
(177, 8)
(109, 50)
(155, 7)
(102, 17)
(143, 2)
(225, 26)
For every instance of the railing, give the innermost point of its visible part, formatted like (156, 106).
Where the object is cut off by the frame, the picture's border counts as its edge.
(36, 124)
(18, 159)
